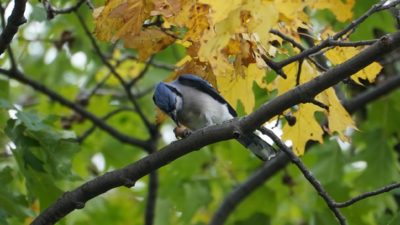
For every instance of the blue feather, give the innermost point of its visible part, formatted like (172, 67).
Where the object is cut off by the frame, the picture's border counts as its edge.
(164, 97)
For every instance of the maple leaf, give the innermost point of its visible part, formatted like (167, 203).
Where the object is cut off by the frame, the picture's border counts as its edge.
(127, 69)
(306, 128)
(166, 8)
(341, 9)
(225, 44)
(338, 118)
(338, 55)
(148, 42)
(239, 87)
(121, 17)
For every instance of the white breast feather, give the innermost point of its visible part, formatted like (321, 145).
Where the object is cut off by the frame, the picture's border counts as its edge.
(200, 109)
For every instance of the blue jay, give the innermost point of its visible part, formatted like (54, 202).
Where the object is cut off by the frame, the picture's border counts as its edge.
(194, 103)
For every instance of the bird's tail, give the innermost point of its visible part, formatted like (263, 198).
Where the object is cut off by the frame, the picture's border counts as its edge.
(258, 146)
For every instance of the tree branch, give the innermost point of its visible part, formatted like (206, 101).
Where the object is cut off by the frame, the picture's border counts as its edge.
(392, 83)
(366, 195)
(151, 198)
(89, 131)
(15, 20)
(333, 41)
(307, 174)
(128, 175)
(51, 11)
(150, 127)
(234, 198)
(242, 191)
(375, 8)
(16, 75)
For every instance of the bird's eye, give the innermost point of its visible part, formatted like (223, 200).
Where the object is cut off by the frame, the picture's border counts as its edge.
(154, 98)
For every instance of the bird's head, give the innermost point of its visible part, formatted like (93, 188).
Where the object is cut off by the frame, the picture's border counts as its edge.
(166, 98)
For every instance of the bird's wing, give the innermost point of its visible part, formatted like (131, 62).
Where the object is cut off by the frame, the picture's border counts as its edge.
(204, 86)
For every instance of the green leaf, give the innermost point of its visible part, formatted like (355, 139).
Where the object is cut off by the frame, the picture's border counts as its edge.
(395, 220)
(330, 164)
(43, 155)
(11, 203)
(380, 158)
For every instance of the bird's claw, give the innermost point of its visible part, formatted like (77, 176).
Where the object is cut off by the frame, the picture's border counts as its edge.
(182, 132)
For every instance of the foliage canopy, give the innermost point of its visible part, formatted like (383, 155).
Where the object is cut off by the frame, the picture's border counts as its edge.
(98, 61)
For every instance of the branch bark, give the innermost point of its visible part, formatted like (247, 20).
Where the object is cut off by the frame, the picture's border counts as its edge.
(15, 20)
(130, 174)
(16, 75)
(241, 192)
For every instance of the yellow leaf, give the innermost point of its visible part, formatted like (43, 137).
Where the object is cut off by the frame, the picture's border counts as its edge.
(308, 72)
(338, 118)
(306, 128)
(338, 55)
(160, 116)
(294, 9)
(220, 9)
(189, 65)
(104, 25)
(341, 9)
(128, 69)
(290, 8)
(121, 17)
(166, 8)
(194, 17)
(148, 42)
(236, 87)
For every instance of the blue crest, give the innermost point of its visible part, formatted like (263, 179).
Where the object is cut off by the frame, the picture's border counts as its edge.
(165, 97)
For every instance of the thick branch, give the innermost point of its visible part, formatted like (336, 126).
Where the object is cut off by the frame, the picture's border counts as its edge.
(389, 85)
(212, 134)
(151, 198)
(15, 20)
(268, 170)
(309, 90)
(241, 192)
(16, 75)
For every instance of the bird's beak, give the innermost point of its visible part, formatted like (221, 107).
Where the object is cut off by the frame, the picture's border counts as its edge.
(174, 117)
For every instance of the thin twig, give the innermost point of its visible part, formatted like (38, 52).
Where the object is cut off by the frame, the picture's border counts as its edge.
(351, 43)
(89, 131)
(243, 190)
(236, 196)
(307, 174)
(375, 8)
(17, 75)
(52, 11)
(128, 175)
(155, 63)
(367, 195)
(297, 45)
(141, 74)
(299, 66)
(150, 127)
(332, 41)
(288, 39)
(273, 65)
(319, 104)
